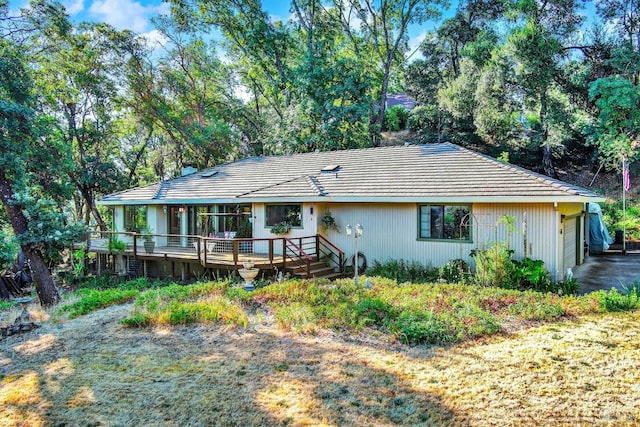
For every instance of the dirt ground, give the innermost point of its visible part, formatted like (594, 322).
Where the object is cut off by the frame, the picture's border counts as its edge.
(92, 371)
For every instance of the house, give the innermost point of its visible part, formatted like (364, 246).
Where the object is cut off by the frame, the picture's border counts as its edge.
(401, 99)
(429, 203)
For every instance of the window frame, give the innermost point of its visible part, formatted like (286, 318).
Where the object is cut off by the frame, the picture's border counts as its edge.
(444, 206)
(269, 205)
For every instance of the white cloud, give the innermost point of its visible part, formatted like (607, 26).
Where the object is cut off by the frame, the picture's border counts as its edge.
(73, 7)
(154, 38)
(125, 14)
(414, 46)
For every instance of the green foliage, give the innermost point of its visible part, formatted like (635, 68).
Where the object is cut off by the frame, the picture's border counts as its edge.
(454, 271)
(614, 300)
(92, 300)
(404, 271)
(8, 249)
(49, 230)
(424, 119)
(116, 246)
(494, 266)
(613, 217)
(531, 274)
(179, 305)
(395, 118)
(618, 100)
(329, 222)
(281, 228)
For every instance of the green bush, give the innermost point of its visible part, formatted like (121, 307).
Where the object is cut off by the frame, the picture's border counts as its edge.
(454, 271)
(180, 305)
(417, 328)
(619, 301)
(404, 271)
(372, 311)
(395, 118)
(494, 267)
(424, 119)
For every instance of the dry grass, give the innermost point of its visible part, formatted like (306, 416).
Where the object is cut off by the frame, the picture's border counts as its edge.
(91, 371)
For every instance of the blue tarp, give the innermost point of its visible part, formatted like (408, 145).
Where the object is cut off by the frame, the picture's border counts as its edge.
(599, 238)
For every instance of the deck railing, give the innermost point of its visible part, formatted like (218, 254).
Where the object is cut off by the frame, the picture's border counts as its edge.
(219, 252)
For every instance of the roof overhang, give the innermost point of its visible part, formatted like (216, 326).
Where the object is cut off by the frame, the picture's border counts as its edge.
(321, 199)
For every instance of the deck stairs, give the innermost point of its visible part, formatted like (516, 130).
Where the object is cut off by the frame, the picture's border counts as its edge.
(317, 269)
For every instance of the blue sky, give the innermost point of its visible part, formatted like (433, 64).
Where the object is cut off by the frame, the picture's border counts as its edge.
(136, 15)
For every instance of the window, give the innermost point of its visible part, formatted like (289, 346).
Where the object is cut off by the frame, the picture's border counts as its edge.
(444, 222)
(277, 214)
(135, 218)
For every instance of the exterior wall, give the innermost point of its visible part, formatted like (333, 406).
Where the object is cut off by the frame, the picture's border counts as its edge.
(261, 231)
(309, 222)
(391, 232)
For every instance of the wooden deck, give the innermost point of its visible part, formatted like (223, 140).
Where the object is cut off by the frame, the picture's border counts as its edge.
(298, 253)
(208, 259)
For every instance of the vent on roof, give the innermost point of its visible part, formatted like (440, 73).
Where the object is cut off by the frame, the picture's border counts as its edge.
(330, 169)
(188, 170)
(209, 174)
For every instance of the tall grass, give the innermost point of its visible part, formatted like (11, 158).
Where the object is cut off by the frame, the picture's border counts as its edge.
(435, 313)
(180, 305)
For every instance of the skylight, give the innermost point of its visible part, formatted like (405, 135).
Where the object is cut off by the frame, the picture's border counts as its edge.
(209, 174)
(330, 168)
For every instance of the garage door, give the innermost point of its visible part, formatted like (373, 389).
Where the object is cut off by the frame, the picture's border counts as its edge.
(570, 244)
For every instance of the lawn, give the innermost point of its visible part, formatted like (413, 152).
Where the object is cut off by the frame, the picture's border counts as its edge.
(269, 369)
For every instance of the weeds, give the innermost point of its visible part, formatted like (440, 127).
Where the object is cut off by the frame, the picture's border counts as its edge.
(181, 305)
(404, 271)
(92, 300)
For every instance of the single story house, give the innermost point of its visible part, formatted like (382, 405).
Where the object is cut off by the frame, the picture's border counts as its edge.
(428, 203)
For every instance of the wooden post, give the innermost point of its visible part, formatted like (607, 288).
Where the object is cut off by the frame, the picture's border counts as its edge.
(235, 252)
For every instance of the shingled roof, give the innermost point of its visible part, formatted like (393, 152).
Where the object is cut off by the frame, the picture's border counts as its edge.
(422, 173)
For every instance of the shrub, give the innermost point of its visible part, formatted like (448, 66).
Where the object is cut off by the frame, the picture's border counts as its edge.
(494, 267)
(180, 305)
(617, 301)
(404, 271)
(454, 271)
(531, 274)
(395, 118)
(372, 311)
(417, 328)
(424, 119)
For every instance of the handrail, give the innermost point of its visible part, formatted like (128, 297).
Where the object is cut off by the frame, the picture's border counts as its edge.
(299, 251)
(333, 249)
(301, 255)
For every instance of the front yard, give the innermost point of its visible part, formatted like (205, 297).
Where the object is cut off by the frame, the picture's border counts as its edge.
(270, 369)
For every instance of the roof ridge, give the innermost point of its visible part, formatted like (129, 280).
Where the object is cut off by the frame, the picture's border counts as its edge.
(315, 184)
(271, 185)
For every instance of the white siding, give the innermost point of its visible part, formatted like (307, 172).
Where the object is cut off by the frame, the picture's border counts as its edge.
(391, 231)
(542, 230)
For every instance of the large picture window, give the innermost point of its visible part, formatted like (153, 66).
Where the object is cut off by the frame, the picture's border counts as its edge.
(277, 214)
(135, 218)
(444, 222)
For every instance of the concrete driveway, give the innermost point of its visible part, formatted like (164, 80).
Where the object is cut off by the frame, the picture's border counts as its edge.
(606, 271)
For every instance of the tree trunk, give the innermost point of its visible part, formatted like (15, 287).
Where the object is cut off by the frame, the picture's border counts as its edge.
(42, 279)
(45, 287)
(547, 158)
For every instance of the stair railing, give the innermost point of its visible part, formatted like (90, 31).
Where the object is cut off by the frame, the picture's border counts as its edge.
(328, 251)
(295, 255)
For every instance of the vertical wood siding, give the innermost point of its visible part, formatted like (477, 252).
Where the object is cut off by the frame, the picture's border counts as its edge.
(391, 232)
